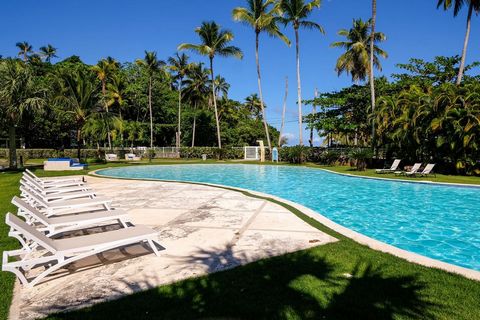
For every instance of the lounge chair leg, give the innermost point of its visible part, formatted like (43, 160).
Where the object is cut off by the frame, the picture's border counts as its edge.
(154, 247)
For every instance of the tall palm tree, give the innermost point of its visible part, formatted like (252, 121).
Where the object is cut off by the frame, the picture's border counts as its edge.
(19, 93)
(213, 42)
(262, 16)
(356, 58)
(152, 65)
(296, 13)
(473, 5)
(48, 52)
(196, 90)
(179, 65)
(25, 49)
(104, 70)
(371, 69)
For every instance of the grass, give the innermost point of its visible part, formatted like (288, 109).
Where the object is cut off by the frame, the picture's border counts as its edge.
(371, 173)
(342, 280)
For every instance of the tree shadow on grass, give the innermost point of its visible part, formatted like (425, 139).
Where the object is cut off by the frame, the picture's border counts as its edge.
(301, 285)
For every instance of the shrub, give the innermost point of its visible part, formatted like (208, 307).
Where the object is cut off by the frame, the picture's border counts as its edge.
(296, 154)
(361, 155)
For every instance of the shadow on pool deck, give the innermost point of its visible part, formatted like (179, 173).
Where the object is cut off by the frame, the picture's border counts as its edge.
(301, 285)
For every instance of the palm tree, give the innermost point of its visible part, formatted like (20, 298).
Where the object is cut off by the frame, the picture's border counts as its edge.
(104, 70)
(372, 61)
(48, 52)
(221, 86)
(152, 65)
(296, 13)
(25, 49)
(262, 16)
(356, 58)
(79, 97)
(214, 41)
(254, 106)
(19, 93)
(473, 5)
(179, 64)
(196, 90)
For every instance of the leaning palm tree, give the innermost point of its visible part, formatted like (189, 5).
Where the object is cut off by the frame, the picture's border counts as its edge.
(152, 65)
(48, 52)
(356, 58)
(296, 13)
(25, 49)
(214, 42)
(262, 16)
(19, 94)
(196, 90)
(473, 5)
(179, 65)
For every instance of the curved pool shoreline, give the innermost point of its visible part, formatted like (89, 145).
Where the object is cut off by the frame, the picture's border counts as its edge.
(375, 243)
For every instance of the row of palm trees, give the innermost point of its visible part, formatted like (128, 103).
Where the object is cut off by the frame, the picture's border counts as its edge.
(45, 52)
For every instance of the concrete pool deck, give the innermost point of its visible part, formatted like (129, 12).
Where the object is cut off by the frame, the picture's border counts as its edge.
(203, 229)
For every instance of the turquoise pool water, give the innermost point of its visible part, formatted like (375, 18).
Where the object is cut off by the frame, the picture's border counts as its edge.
(441, 222)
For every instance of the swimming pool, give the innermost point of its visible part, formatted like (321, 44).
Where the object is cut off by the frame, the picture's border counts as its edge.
(440, 222)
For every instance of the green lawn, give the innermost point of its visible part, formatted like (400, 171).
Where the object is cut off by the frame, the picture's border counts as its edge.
(342, 280)
(371, 173)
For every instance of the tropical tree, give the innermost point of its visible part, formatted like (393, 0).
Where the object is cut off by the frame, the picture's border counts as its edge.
(25, 49)
(78, 96)
(104, 69)
(48, 52)
(296, 13)
(179, 65)
(214, 41)
(19, 94)
(262, 16)
(371, 69)
(473, 5)
(356, 58)
(254, 106)
(221, 87)
(196, 90)
(152, 65)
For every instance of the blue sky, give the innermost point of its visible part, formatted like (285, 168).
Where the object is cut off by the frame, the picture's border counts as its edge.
(125, 28)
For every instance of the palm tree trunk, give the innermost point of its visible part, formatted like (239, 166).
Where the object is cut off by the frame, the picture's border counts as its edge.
(299, 90)
(465, 45)
(215, 105)
(150, 110)
(79, 142)
(372, 76)
(179, 112)
(104, 93)
(283, 112)
(314, 111)
(12, 147)
(257, 60)
(194, 123)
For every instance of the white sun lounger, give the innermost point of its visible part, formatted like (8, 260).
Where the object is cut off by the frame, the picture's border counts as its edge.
(392, 169)
(53, 188)
(56, 181)
(61, 252)
(55, 196)
(65, 206)
(426, 171)
(55, 225)
(413, 170)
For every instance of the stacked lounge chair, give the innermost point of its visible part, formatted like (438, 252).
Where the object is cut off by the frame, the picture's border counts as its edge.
(52, 207)
(415, 170)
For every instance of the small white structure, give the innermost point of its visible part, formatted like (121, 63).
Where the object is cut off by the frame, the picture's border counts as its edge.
(111, 157)
(251, 153)
(132, 157)
(62, 164)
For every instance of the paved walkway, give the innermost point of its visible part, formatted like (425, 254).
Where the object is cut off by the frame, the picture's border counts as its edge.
(203, 229)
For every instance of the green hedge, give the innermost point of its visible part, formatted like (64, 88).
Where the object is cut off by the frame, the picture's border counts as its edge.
(211, 152)
(52, 153)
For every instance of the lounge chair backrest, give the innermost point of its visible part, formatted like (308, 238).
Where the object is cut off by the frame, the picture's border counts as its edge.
(34, 213)
(428, 168)
(415, 167)
(32, 175)
(29, 184)
(395, 164)
(34, 195)
(30, 232)
(32, 181)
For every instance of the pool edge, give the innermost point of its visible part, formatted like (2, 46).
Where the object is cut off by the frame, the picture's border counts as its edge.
(355, 236)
